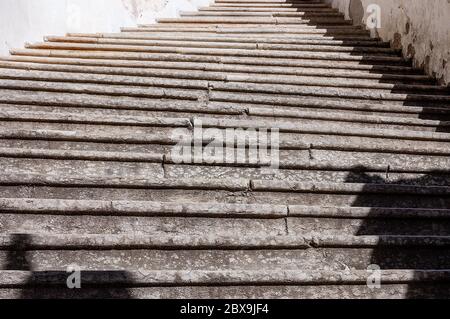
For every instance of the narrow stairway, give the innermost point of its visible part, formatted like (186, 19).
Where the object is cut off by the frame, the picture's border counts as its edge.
(90, 181)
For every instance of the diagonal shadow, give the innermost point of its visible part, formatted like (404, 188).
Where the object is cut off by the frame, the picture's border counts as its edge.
(53, 284)
(415, 258)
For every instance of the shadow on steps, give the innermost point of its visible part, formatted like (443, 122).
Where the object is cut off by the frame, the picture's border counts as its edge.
(36, 285)
(432, 109)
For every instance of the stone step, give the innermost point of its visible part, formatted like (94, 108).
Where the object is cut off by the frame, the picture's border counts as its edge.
(202, 79)
(301, 141)
(257, 114)
(369, 42)
(317, 168)
(289, 103)
(209, 210)
(348, 291)
(202, 89)
(221, 44)
(225, 103)
(345, 56)
(347, 30)
(302, 35)
(279, 9)
(220, 278)
(77, 217)
(339, 259)
(177, 195)
(146, 58)
(78, 173)
(273, 5)
(313, 171)
(43, 241)
(270, 14)
(343, 167)
(211, 72)
(255, 20)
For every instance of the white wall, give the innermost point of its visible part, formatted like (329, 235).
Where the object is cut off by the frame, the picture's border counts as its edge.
(30, 20)
(420, 27)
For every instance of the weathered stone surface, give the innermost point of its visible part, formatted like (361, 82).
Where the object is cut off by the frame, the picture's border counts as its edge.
(88, 127)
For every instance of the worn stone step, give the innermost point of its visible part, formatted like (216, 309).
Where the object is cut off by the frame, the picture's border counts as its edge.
(327, 172)
(225, 196)
(255, 20)
(162, 103)
(241, 61)
(304, 141)
(220, 44)
(272, 5)
(349, 291)
(373, 42)
(220, 278)
(327, 91)
(201, 89)
(317, 168)
(347, 30)
(289, 103)
(360, 227)
(345, 166)
(76, 224)
(221, 52)
(40, 241)
(285, 126)
(301, 35)
(144, 208)
(212, 72)
(299, 186)
(383, 121)
(339, 259)
(270, 14)
(117, 217)
(90, 173)
(257, 114)
(210, 210)
(225, 103)
(81, 224)
(79, 173)
(245, 28)
(281, 9)
(201, 79)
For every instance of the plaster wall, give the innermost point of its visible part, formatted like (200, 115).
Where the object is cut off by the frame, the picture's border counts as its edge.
(420, 27)
(30, 20)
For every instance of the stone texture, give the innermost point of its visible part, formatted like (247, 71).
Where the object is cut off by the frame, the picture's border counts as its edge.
(89, 123)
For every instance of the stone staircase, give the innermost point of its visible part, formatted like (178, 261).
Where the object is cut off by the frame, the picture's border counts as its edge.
(89, 177)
